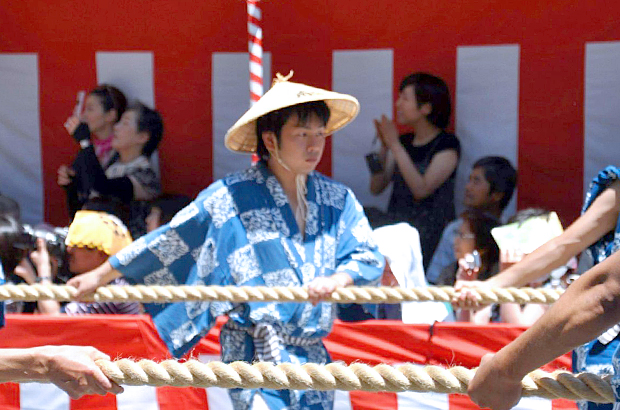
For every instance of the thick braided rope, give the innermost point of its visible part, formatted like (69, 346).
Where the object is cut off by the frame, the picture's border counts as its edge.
(337, 376)
(148, 294)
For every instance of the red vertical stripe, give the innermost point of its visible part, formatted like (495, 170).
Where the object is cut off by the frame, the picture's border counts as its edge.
(461, 402)
(9, 396)
(563, 404)
(94, 402)
(380, 401)
(175, 398)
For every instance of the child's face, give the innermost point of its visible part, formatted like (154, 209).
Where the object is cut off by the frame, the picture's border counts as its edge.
(465, 241)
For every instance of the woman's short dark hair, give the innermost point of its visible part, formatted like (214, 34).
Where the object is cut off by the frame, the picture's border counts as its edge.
(275, 120)
(149, 121)
(434, 91)
(481, 224)
(111, 98)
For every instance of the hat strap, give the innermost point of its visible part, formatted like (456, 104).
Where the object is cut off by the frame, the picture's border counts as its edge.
(301, 191)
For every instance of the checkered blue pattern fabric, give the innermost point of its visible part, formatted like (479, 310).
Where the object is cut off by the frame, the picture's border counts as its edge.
(242, 231)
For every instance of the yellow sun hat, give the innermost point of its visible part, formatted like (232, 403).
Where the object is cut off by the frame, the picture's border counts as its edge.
(98, 230)
(343, 108)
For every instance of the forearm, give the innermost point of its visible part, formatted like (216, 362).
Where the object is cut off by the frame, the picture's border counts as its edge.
(22, 365)
(543, 260)
(48, 307)
(343, 279)
(589, 307)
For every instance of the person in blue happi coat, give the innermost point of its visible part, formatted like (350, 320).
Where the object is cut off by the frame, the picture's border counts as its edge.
(278, 223)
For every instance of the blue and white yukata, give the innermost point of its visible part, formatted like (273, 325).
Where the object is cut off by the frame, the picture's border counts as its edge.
(601, 355)
(241, 231)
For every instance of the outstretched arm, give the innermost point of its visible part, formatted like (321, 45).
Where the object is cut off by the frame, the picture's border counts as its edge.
(590, 306)
(71, 368)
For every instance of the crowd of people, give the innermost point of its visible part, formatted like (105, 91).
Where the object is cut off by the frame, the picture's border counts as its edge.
(280, 223)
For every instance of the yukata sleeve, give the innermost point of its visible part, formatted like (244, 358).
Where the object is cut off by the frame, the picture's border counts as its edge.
(357, 253)
(166, 256)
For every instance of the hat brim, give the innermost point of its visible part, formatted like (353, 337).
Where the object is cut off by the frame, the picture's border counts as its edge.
(242, 137)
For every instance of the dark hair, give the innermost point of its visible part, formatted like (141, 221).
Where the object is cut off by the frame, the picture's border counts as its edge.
(501, 176)
(170, 204)
(275, 120)
(111, 98)
(111, 205)
(149, 121)
(431, 90)
(11, 233)
(481, 224)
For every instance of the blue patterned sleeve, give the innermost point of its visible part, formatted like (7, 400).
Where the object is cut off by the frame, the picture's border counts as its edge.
(610, 242)
(356, 252)
(167, 256)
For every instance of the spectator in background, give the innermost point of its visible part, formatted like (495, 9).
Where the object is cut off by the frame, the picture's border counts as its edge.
(422, 165)
(103, 108)
(71, 368)
(130, 176)
(598, 231)
(474, 235)
(93, 237)
(164, 208)
(489, 189)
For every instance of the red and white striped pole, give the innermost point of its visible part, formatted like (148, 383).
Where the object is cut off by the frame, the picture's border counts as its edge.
(255, 47)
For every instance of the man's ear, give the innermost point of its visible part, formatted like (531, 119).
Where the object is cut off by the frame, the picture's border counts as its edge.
(426, 109)
(270, 140)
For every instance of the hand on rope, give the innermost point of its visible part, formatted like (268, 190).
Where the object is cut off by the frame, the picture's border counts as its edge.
(356, 376)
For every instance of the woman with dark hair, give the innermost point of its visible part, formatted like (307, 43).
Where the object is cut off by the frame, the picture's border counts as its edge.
(130, 176)
(478, 258)
(103, 108)
(422, 165)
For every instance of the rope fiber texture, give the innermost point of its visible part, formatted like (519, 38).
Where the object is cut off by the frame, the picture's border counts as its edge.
(338, 376)
(165, 294)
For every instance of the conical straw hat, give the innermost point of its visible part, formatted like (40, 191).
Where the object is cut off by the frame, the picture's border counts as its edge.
(241, 137)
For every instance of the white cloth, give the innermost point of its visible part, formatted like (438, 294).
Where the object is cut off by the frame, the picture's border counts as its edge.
(400, 244)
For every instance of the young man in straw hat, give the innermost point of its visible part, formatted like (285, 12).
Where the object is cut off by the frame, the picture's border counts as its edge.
(279, 223)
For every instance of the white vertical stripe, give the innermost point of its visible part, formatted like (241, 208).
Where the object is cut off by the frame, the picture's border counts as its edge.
(487, 109)
(217, 398)
(368, 75)
(132, 73)
(254, 11)
(534, 403)
(427, 401)
(231, 96)
(20, 134)
(601, 116)
(342, 400)
(129, 71)
(39, 396)
(137, 397)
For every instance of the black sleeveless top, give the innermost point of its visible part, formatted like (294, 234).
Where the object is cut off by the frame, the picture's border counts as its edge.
(431, 214)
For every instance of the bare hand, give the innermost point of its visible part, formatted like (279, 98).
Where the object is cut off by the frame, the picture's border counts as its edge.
(42, 260)
(493, 388)
(25, 271)
(322, 287)
(71, 124)
(387, 131)
(73, 369)
(65, 175)
(86, 283)
(466, 297)
(465, 272)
